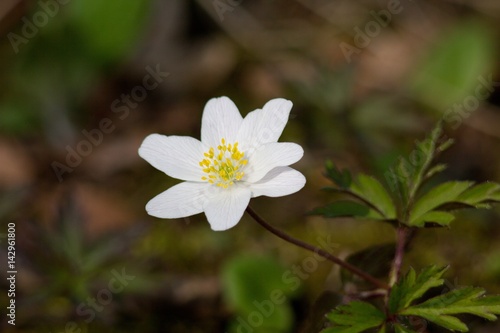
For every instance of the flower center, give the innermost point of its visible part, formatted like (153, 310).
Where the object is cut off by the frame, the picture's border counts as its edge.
(223, 166)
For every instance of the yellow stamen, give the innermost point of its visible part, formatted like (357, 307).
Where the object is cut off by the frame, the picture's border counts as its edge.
(223, 166)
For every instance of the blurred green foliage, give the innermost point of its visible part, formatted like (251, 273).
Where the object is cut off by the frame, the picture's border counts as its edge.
(258, 291)
(54, 71)
(120, 23)
(362, 115)
(451, 69)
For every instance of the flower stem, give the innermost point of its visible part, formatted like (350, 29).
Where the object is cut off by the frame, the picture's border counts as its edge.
(402, 237)
(315, 249)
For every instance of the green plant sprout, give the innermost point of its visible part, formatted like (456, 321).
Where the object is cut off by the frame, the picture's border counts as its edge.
(409, 208)
(395, 302)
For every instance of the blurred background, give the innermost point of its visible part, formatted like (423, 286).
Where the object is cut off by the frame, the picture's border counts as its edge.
(84, 81)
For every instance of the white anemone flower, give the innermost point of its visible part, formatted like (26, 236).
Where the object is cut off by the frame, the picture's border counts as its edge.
(237, 159)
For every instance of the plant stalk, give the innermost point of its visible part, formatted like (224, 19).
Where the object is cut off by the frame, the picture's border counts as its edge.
(402, 237)
(315, 249)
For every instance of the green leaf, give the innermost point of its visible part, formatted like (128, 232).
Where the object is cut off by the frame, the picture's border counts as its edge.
(440, 309)
(413, 286)
(346, 209)
(422, 158)
(479, 193)
(409, 173)
(340, 178)
(440, 195)
(369, 198)
(372, 191)
(441, 218)
(435, 170)
(355, 317)
(451, 196)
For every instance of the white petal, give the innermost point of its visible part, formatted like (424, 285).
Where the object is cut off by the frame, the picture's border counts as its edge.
(264, 125)
(225, 209)
(177, 156)
(221, 119)
(181, 200)
(270, 156)
(279, 182)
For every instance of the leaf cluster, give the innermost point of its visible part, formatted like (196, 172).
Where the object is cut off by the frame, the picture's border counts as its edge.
(402, 305)
(405, 200)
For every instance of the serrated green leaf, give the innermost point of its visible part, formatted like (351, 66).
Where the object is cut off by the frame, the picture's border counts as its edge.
(449, 322)
(440, 309)
(346, 209)
(439, 195)
(422, 158)
(409, 173)
(355, 317)
(479, 193)
(413, 286)
(370, 198)
(451, 196)
(372, 191)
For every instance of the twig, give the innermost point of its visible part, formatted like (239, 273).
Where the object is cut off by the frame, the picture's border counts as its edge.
(315, 249)
(402, 237)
